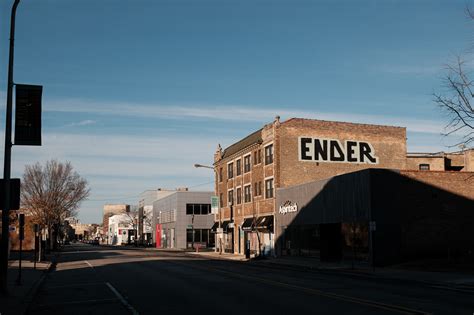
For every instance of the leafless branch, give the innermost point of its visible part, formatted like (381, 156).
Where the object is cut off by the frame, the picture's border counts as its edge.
(458, 100)
(52, 192)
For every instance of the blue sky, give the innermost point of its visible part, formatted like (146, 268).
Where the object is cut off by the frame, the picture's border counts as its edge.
(136, 92)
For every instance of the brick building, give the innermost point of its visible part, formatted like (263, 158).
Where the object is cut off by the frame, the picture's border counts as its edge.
(455, 161)
(283, 154)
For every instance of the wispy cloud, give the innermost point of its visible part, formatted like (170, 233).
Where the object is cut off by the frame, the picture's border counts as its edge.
(112, 155)
(417, 70)
(233, 113)
(123, 165)
(81, 123)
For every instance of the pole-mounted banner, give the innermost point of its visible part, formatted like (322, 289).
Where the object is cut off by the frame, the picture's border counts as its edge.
(28, 114)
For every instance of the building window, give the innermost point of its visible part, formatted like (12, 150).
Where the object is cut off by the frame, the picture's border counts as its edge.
(239, 167)
(257, 157)
(230, 197)
(247, 164)
(198, 208)
(239, 195)
(424, 167)
(230, 170)
(189, 209)
(247, 193)
(220, 174)
(269, 188)
(221, 199)
(189, 236)
(269, 154)
(201, 236)
(258, 188)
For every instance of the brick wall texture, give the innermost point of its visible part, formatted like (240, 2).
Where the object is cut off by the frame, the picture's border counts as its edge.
(441, 213)
(389, 144)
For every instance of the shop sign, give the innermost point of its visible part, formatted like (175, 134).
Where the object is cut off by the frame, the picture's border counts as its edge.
(214, 204)
(332, 150)
(288, 207)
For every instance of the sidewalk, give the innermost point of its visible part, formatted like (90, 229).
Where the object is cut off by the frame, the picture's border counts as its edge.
(214, 255)
(462, 282)
(20, 296)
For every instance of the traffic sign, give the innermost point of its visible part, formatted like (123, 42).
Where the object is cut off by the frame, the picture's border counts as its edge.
(14, 193)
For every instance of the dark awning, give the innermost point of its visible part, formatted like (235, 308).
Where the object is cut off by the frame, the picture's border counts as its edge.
(265, 224)
(248, 224)
(214, 227)
(224, 225)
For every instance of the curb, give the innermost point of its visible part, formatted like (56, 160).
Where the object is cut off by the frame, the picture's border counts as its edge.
(194, 254)
(31, 295)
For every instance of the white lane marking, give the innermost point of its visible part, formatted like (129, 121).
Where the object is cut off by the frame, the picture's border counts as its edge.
(122, 299)
(89, 264)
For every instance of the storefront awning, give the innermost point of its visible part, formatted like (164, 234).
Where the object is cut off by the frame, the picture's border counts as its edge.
(224, 225)
(265, 224)
(248, 224)
(214, 227)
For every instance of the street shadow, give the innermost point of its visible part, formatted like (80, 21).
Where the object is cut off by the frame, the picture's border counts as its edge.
(202, 286)
(413, 218)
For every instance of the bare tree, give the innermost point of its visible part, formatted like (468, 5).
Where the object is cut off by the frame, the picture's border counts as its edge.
(52, 192)
(458, 102)
(459, 98)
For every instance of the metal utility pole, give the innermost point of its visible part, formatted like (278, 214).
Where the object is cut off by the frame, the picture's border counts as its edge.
(192, 230)
(7, 158)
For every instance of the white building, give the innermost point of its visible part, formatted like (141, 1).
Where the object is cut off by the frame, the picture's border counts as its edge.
(122, 229)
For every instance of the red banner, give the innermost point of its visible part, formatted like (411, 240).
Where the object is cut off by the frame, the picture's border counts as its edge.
(158, 236)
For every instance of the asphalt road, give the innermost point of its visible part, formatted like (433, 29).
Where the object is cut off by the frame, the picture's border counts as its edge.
(103, 280)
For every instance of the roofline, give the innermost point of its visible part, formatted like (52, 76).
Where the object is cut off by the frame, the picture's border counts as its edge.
(342, 122)
(242, 140)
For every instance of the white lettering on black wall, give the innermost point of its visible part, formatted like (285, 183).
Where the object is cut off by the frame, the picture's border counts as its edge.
(332, 150)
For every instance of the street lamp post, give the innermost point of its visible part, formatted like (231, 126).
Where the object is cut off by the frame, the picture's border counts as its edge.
(7, 158)
(197, 165)
(192, 231)
(203, 166)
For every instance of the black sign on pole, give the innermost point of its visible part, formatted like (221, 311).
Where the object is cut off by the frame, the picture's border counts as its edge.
(28, 114)
(14, 194)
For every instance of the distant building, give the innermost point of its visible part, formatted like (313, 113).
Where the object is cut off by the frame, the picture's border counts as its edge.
(122, 228)
(110, 210)
(184, 219)
(80, 231)
(145, 213)
(462, 161)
